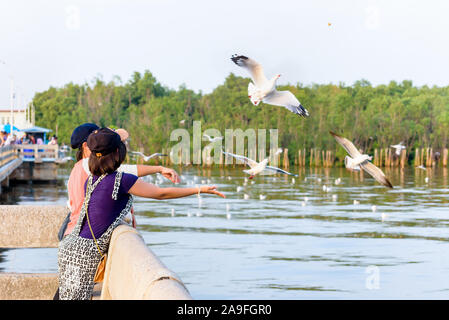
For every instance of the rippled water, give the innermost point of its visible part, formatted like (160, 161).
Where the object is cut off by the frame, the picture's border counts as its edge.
(300, 242)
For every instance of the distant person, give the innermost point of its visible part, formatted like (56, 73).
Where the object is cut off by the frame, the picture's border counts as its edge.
(53, 141)
(108, 200)
(9, 140)
(3, 136)
(32, 139)
(39, 141)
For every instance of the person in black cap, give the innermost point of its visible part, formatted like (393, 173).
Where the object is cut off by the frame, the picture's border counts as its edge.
(108, 200)
(79, 138)
(80, 172)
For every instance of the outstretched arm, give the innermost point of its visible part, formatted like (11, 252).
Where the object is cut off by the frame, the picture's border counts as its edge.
(148, 190)
(144, 170)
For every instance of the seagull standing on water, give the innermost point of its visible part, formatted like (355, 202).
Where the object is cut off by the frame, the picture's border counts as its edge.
(259, 167)
(146, 158)
(264, 90)
(357, 161)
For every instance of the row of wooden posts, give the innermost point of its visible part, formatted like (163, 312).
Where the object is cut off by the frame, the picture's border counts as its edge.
(325, 158)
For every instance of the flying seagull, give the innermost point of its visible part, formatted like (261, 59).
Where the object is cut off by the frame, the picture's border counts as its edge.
(146, 158)
(212, 139)
(356, 160)
(399, 147)
(259, 167)
(262, 89)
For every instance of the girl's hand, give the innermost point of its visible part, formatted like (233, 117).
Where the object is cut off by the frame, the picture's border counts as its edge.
(211, 190)
(170, 174)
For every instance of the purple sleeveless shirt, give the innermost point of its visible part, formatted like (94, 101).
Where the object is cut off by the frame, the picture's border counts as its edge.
(103, 210)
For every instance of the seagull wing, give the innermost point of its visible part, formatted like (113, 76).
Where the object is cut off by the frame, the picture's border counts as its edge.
(248, 161)
(157, 155)
(347, 145)
(138, 153)
(254, 68)
(376, 173)
(288, 100)
(278, 170)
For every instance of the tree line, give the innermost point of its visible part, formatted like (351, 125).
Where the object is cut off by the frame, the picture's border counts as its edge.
(371, 116)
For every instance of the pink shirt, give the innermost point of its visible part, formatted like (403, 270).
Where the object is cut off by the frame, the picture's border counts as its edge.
(75, 188)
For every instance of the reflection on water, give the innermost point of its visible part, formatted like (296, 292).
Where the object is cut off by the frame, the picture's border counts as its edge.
(302, 241)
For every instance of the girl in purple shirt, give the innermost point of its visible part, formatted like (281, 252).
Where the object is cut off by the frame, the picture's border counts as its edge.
(108, 200)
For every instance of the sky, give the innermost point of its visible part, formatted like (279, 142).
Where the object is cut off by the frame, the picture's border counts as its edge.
(51, 43)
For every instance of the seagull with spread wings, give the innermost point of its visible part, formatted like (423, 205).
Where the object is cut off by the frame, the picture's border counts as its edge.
(212, 139)
(398, 147)
(357, 161)
(264, 90)
(146, 158)
(259, 167)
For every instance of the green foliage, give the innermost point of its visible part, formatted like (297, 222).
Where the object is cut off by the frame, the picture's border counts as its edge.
(372, 117)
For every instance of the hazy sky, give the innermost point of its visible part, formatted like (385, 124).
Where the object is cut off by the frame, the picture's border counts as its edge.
(50, 43)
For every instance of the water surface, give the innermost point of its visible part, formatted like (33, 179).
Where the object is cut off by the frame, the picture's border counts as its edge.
(300, 242)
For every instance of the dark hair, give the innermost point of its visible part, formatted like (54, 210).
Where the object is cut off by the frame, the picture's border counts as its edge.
(79, 154)
(107, 163)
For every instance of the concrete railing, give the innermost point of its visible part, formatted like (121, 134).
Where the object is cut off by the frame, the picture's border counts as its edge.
(132, 269)
(134, 272)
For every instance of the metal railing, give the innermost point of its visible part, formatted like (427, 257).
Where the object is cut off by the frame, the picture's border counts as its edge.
(7, 154)
(37, 152)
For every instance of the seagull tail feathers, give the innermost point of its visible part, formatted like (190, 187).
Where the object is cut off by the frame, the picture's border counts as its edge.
(302, 111)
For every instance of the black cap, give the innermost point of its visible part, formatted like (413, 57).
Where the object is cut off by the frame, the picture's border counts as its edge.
(81, 133)
(103, 141)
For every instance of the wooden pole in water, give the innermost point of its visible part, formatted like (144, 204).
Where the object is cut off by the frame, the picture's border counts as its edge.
(421, 158)
(323, 159)
(381, 157)
(299, 159)
(445, 153)
(432, 162)
(387, 158)
(417, 164)
(304, 157)
(286, 162)
(311, 158)
(317, 158)
(403, 158)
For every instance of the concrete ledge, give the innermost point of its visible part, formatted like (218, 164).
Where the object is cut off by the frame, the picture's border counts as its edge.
(30, 226)
(133, 272)
(23, 286)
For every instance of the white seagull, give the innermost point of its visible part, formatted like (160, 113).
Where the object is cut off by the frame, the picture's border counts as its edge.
(212, 139)
(399, 147)
(259, 167)
(262, 89)
(146, 158)
(358, 160)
